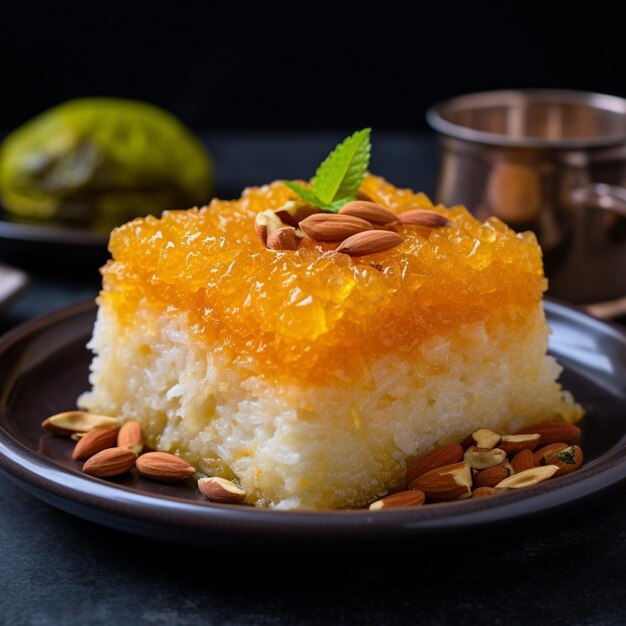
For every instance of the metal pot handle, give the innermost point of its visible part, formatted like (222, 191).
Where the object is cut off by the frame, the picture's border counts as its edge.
(610, 198)
(600, 196)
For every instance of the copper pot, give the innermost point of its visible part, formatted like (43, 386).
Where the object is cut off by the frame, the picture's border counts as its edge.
(552, 161)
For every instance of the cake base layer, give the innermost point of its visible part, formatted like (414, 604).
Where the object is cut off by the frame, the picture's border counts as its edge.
(292, 445)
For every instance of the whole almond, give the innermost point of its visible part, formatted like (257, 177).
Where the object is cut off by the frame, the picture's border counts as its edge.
(481, 492)
(451, 482)
(361, 195)
(284, 238)
(110, 462)
(164, 467)
(423, 217)
(444, 455)
(369, 211)
(528, 478)
(369, 242)
(94, 441)
(131, 436)
(491, 476)
(543, 454)
(72, 422)
(523, 460)
(221, 490)
(331, 227)
(400, 500)
(512, 444)
(567, 460)
(552, 432)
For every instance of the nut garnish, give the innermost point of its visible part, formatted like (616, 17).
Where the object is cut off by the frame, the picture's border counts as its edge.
(567, 460)
(284, 238)
(451, 482)
(131, 436)
(541, 456)
(265, 223)
(481, 492)
(291, 213)
(369, 242)
(164, 466)
(110, 462)
(423, 217)
(332, 227)
(552, 432)
(221, 490)
(400, 500)
(72, 422)
(491, 476)
(369, 211)
(482, 458)
(528, 478)
(444, 455)
(523, 460)
(485, 438)
(94, 441)
(512, 444)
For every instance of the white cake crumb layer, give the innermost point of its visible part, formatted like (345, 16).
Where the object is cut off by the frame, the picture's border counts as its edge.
(300, 447)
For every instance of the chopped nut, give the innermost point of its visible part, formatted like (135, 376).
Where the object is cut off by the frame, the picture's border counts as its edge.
(400, 500)
(481, 458)
(528, 478)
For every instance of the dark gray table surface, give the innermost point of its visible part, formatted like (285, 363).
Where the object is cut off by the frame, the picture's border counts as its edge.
(56, 569)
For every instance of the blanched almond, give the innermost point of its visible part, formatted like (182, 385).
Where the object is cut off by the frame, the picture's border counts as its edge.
(482, 458)
(72, 422)
(528, 478)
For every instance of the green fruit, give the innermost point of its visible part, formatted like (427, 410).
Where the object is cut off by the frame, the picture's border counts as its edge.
(97, 162)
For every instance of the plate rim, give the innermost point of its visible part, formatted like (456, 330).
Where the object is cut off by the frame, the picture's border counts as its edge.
(92, 498)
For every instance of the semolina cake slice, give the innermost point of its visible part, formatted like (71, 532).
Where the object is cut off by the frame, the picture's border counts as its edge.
(310, 376)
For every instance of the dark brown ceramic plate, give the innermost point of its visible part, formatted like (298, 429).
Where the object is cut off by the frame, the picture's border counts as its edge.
(44, 366)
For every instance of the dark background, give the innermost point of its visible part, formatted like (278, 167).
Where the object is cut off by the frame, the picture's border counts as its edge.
(225, 65)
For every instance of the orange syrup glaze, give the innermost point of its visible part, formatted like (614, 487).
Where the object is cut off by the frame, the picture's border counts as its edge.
(304, 314)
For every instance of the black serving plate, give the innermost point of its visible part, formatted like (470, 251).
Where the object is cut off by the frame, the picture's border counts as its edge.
(44, 367)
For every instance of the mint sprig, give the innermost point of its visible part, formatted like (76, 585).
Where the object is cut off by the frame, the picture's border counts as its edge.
(340, 175)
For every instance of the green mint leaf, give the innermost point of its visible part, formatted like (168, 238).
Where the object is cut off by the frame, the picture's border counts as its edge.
(341, 173)
(305, 194)
(337, 204)
(567, 456)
